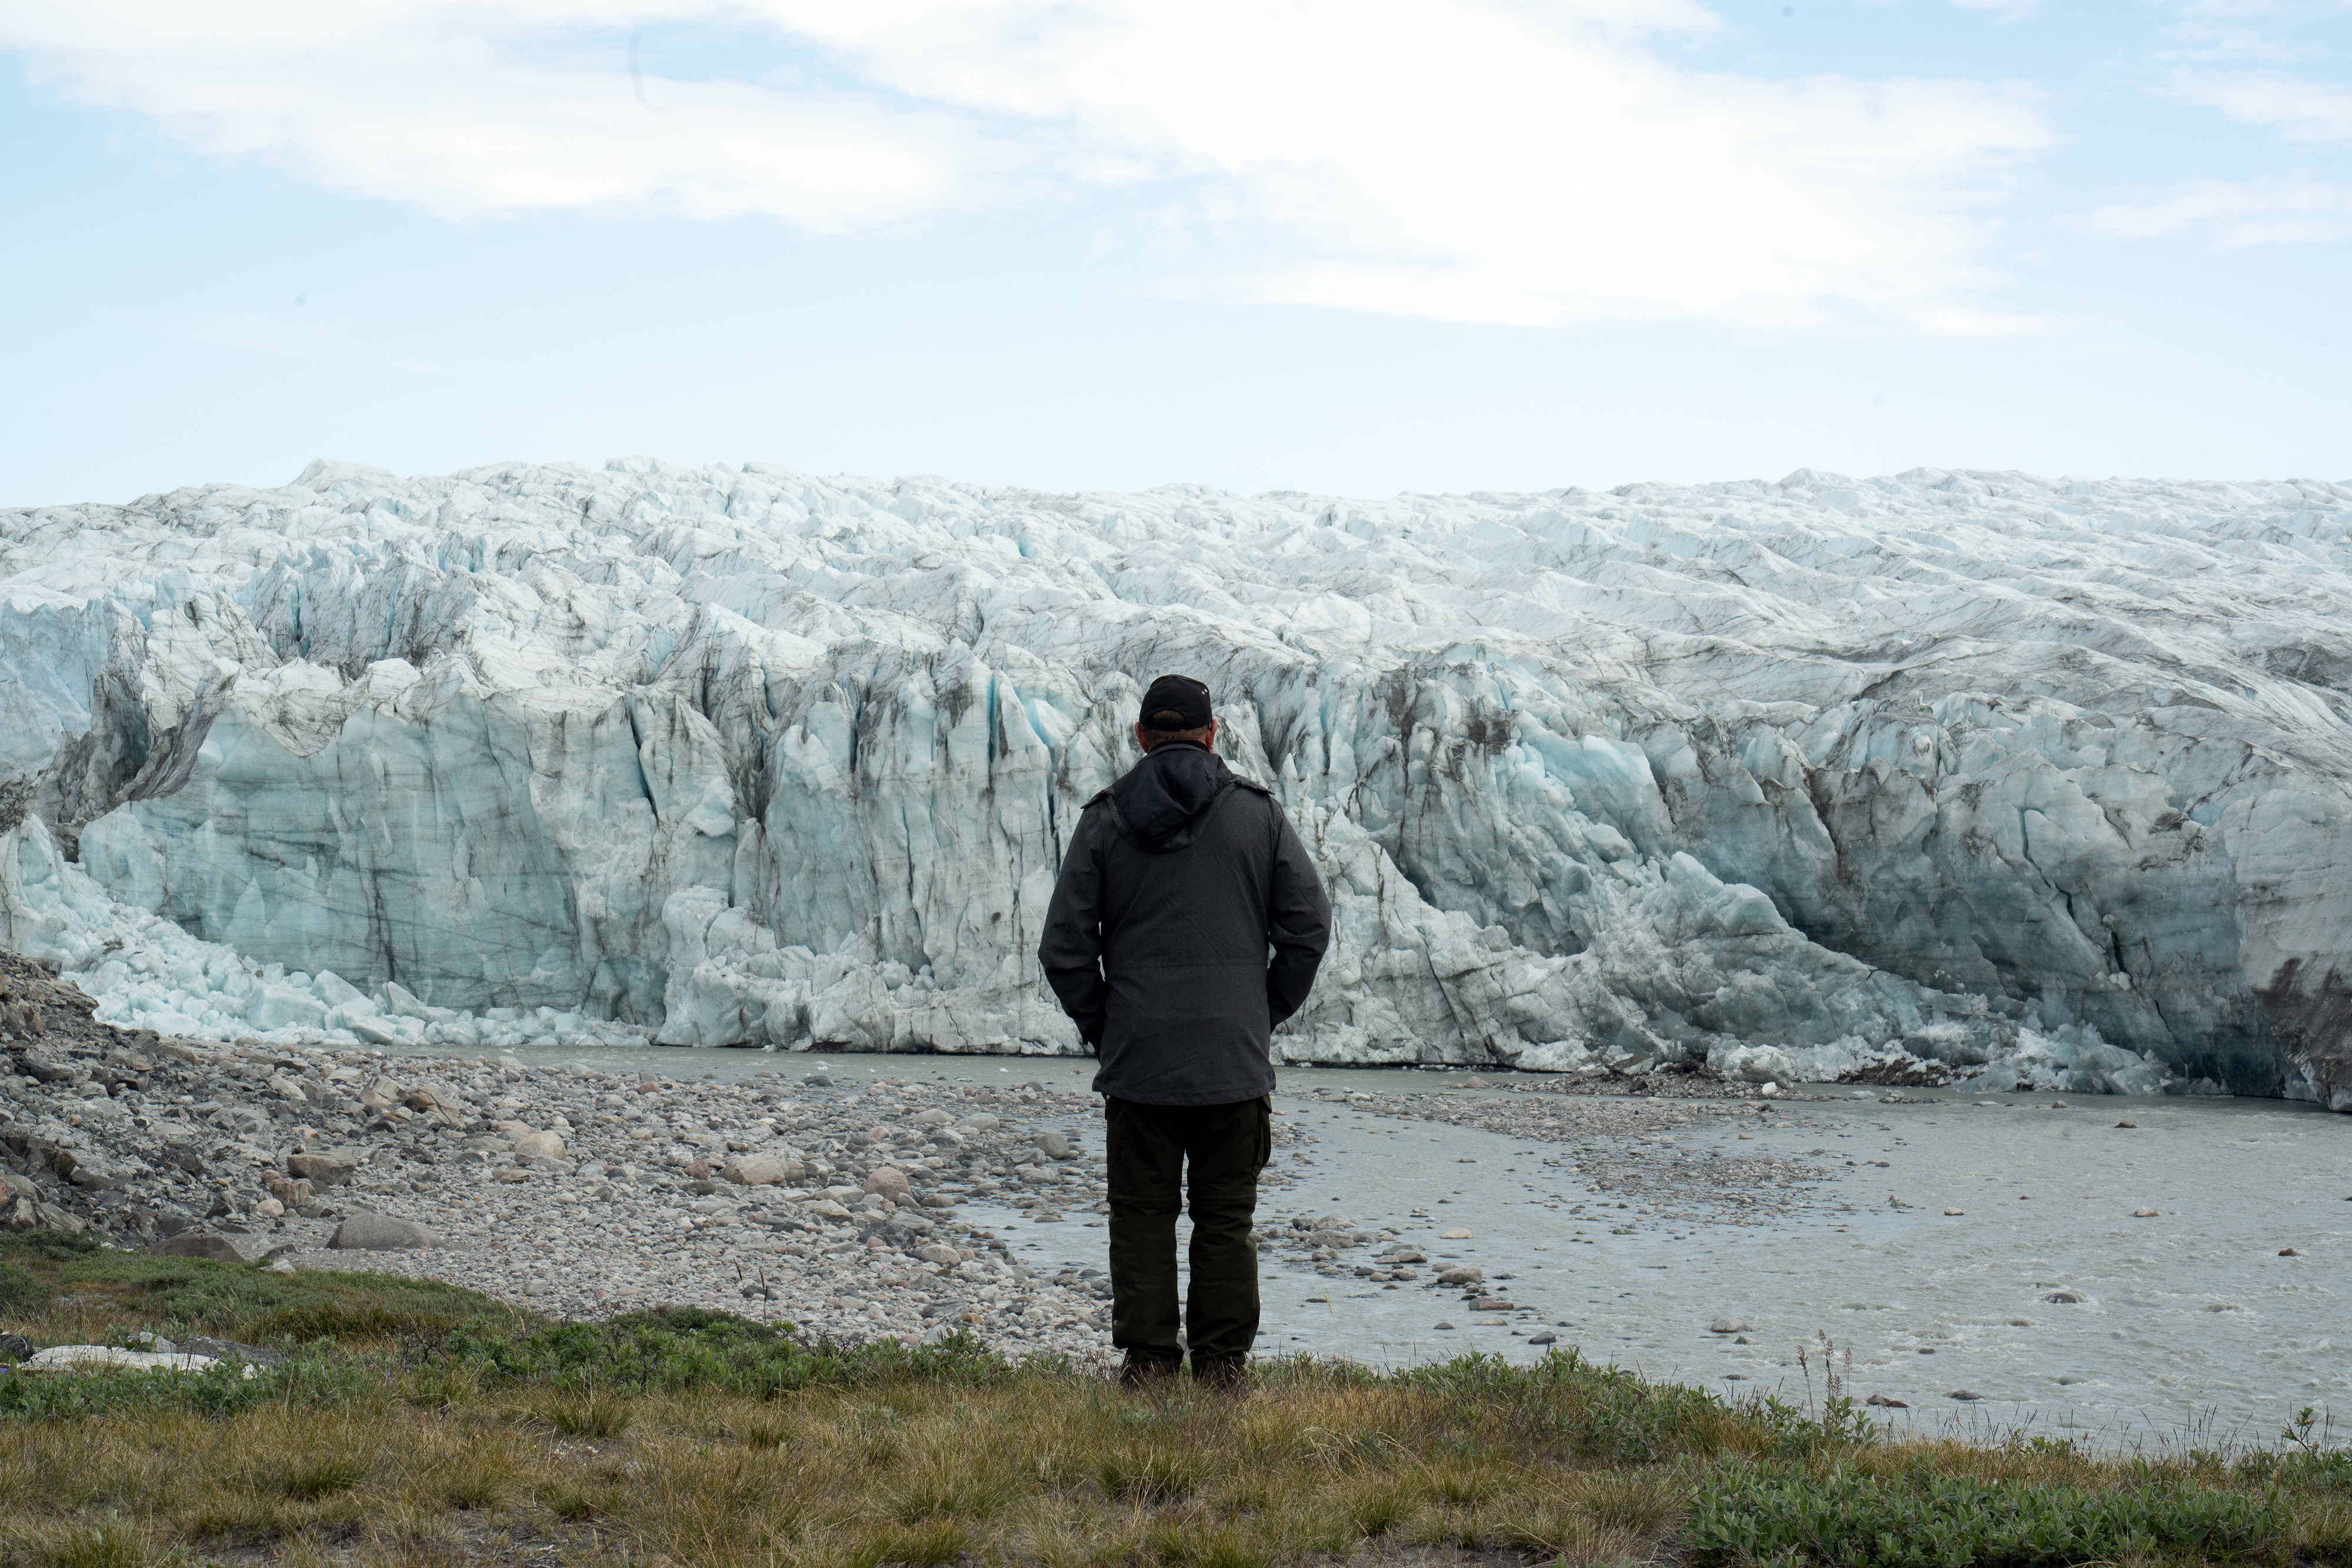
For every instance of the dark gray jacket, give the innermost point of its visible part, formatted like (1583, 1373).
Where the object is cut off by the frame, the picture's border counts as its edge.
(1179, 878)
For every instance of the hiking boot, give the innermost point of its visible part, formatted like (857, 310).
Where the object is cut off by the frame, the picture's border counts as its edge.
(1226, 1371)
(1146, 1371)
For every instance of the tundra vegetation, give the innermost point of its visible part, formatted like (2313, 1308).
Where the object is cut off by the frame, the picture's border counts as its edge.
(410, 1422)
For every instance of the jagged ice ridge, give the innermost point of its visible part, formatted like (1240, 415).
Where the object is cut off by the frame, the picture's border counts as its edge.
(1820, 778)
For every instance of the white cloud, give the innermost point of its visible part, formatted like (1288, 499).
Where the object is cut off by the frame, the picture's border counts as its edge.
(1469, 159)
(452, 110)
(2236, 216)
(2298, 109)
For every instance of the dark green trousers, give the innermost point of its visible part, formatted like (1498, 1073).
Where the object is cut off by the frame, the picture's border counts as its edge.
(1158, 1157)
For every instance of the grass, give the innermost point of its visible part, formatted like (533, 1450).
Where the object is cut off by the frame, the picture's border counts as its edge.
(694, 1438)
(196, 1296)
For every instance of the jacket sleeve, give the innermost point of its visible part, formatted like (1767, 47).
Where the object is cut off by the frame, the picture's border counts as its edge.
(1298, 924)
(1071, 948)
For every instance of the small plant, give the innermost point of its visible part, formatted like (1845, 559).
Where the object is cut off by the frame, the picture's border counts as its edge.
(572, 1505)
(315, 1479)
(924, 1545)
(1837, 1416)
(1379, 1507)
(2307, 1430)
(1152, 1476)
(473, 1486)
(1194, 1545)
(590, 1414)
(112, 1545)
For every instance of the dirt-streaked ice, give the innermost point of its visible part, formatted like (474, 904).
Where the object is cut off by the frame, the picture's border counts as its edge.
(1799, 777)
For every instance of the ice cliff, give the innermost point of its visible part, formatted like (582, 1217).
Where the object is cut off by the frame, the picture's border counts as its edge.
(1816, 778)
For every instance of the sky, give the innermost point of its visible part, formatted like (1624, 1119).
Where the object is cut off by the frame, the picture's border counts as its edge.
(1353, 246)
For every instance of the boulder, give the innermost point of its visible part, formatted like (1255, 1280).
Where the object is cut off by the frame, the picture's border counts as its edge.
(539, 1146)
(106, 1358)
(379, 1233)
(887, 1181)
(230, 1350)
(290, 1194)
(321, 1170)
(756, 1170)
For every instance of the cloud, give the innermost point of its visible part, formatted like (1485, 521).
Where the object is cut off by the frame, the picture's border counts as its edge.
(1467, 159)
(2241, 214)
(453, 112)
(2299, 109)
(2273, 32)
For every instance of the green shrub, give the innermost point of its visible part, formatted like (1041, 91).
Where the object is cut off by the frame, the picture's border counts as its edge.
(220, 1390)
(240, 1301)
(1787, 1517)
(46, 1246)
(1601, 1412)
(685, 1348)
(21, 1294)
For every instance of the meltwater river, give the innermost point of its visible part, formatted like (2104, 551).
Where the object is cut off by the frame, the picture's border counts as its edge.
(2048, 1297)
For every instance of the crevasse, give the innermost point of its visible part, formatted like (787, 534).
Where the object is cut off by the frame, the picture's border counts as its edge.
(1820, 778)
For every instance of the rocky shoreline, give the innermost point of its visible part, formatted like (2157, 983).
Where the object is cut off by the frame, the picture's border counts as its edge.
(575, 1192)
(842, 1204)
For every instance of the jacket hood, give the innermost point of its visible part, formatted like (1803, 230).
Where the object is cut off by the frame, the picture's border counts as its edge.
(1165, 799)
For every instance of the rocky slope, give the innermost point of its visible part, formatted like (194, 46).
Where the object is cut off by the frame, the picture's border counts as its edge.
(577, 1192)
(1820, 778)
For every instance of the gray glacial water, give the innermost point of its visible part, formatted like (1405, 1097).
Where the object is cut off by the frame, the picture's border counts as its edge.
(2190, 1320)
(2191, 1326)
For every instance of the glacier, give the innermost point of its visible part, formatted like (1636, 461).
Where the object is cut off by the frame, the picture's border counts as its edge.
(1949, 771)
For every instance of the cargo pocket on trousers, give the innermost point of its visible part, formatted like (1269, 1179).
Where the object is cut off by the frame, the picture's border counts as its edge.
(1265, 1133)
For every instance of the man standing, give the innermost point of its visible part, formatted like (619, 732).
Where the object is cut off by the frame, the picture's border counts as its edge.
(1177, 882)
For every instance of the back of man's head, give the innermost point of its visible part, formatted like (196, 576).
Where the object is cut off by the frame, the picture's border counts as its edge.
(1176, 708)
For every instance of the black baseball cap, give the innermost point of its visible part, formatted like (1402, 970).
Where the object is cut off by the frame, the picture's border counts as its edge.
(1179, 695)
